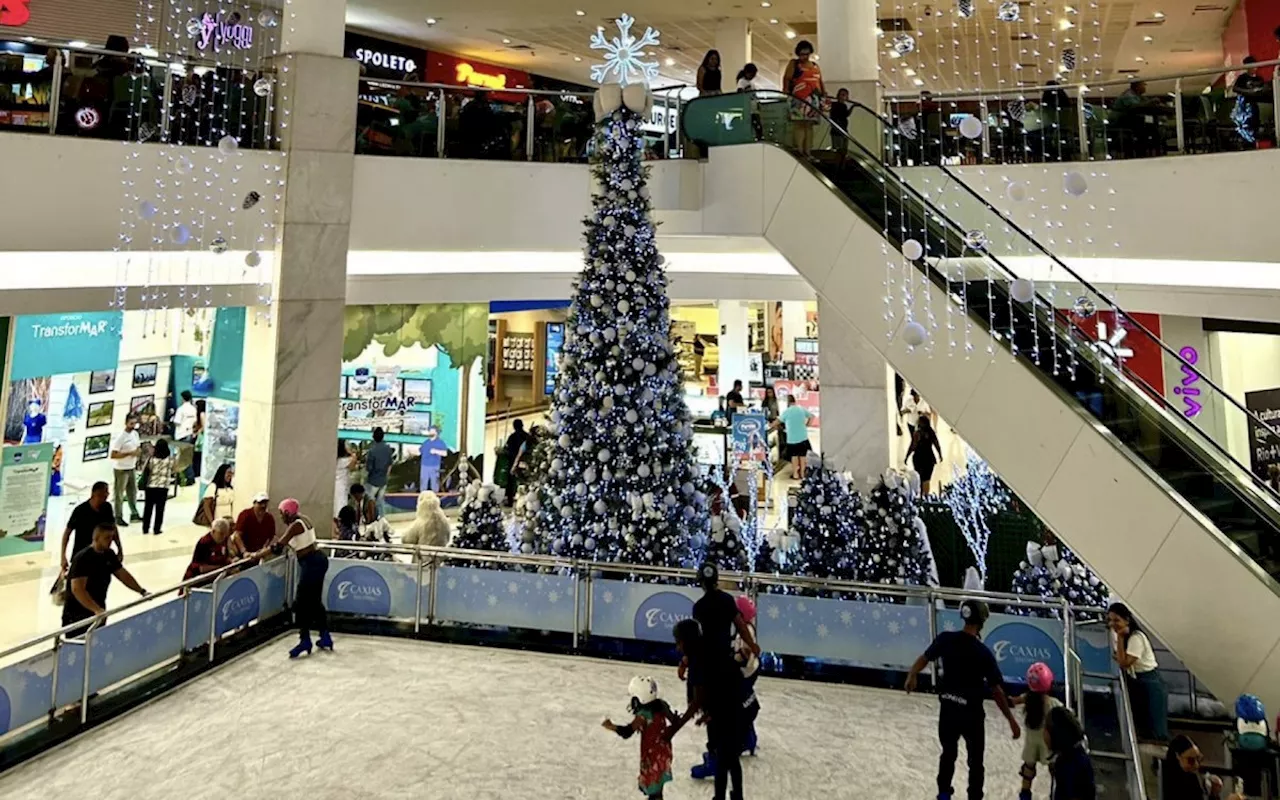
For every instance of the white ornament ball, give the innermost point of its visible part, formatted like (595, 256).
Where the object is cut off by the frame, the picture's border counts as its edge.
(179, 234)
(914, 334)
(632, 416)
(252, 258)
(630, 275)
(182, 165)
(609, 222)
(147, 209)
(1074, 183)
(971, 127)
(913, 250)
(218, 245)
(228, 145)
(1022, 290)
(650, 369)
(624, 306)
(603, 455)
(563, 441)
(596, 301)
(1016, 191)
(262, 87)
(643, 470)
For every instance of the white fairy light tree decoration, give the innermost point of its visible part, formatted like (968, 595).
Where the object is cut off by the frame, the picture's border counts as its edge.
(624, 55)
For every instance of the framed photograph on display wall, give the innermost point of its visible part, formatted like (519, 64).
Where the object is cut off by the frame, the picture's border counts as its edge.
(103, 381)
(96, 447)
(144, 408)
(144, 375)
(100, 414)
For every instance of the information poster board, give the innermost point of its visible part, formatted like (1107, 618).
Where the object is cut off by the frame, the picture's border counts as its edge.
(24, 496)
(750, 434)
(1264, 446)
(555, 343)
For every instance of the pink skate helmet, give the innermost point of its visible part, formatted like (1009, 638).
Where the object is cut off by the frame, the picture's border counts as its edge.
(746, 608)
(1039, 677)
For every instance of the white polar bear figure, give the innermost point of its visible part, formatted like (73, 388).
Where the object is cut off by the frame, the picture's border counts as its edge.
(430, 528)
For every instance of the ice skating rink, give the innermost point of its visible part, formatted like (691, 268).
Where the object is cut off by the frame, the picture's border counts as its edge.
(392, 718)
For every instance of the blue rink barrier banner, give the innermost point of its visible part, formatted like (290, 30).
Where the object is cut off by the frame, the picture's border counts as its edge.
(505, 599)
(254, 594)
(25, 690)
(626, 610)
(1018, 642)
(373, 588)
(876, 635)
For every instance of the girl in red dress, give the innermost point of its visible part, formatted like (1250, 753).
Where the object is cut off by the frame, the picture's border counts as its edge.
(651, 719)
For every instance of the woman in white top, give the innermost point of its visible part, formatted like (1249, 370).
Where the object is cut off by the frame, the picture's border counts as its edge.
(308, 606)
(747, 78)
(1137, 658)
(348, 462)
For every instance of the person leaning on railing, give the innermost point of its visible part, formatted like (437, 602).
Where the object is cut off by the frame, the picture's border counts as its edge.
(211, 553)
(90, 577)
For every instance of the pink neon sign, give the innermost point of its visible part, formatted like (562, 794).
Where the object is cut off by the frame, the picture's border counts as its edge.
(1190, 378)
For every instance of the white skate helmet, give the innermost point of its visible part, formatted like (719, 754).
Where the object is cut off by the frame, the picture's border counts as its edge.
(644, 690)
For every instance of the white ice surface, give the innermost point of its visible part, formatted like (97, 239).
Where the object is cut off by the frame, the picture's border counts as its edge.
(390, 718)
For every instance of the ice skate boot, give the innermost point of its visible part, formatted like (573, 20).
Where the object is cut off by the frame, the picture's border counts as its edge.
(707, 769)
(325, 642)
(303, 646)
(750, 748)
(1024, 794)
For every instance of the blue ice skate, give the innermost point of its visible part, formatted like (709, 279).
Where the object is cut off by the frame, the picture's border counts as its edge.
(707, 769)
(325, 642)
(303, 646)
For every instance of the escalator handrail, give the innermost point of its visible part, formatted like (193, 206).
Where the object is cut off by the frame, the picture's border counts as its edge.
(1257, 482)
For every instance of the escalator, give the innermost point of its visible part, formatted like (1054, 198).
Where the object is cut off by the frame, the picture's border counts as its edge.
(1031, 374)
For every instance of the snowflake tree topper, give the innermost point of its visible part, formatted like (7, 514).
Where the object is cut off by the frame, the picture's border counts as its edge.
(623, 56)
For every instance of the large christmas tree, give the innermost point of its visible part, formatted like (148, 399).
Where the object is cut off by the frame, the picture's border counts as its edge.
(620, 485)
(1052, 571)
(894, 545)
(826, 520)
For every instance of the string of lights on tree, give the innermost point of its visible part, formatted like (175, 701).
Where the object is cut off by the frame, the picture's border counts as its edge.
(206, 88)
(1051, 571)
(974, 497)
(480, 521)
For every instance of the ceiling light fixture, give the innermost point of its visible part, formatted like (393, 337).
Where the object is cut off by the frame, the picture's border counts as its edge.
(918, 82)
(506, 41)
(77, 43)
(791, 34)
(580, 13)
(670, 62)
(765, 4)
(1065, 24)
(773, 20)
(909, 72)
(1148, 39)
(577, 58)
(431, 20)
(1158, 15)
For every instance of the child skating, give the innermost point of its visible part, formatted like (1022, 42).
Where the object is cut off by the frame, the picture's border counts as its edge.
(1036, 705)
(969, 671)
(651, 718)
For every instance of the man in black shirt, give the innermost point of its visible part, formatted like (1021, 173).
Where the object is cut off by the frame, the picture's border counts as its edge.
(969, 670)
(517, 451)
(90, 577)
(716, 692)
(84, 519)
(733, 400)
(717, 612)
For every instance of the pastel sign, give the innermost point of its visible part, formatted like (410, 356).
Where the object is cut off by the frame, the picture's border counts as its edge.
(471, 77)
(223, 30)
(239, 605)
(359, 590)
(658, 614)
(1188, 389)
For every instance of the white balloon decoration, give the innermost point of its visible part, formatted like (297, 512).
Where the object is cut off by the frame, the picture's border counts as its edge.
(1074, 183)
(912, 250)
(971, 127)
(1022, 290)
(1016, 191)
(914, 334)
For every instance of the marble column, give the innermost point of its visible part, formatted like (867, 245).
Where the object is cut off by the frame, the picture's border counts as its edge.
(855, 398)
(733, 40)
(293, 348)
(849, 45)
(733, 345)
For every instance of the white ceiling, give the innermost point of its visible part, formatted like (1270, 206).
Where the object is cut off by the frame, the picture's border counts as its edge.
(549, 37)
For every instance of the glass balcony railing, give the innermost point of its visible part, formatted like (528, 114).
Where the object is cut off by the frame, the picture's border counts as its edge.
(89, 92)
(402, 118)
(1209, 111)
(1053, 320)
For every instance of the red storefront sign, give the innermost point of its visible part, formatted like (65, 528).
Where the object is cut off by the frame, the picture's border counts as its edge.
(1127, 343)
(805, 397)
(14, 13)
(457, 71)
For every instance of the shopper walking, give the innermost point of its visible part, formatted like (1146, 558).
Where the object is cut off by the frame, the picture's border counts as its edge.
(747, 78)
(308, 608)
(90, 577)
(1132, 650)
(85, 519)
(157, 475)
(124, 462)
(924, 443)
(377, 468)
(794, 422)
(518, 446)
(347, 463)
(709, 79)
(969, 671)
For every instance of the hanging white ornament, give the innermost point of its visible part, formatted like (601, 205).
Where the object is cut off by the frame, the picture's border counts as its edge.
(1084, 307)
(182, 165)
(1068, 59)
(971, 127)
(965, 9)
(269, 19)
(147, 209)
(179, 234)
(252, 258)
(1022, 290)
(1016, 191)
(218, 245)
(228, 145)
(914, 334)
(1074, 183)
(975, 239)
(262, 87)
(912, 250)
(903, 43)
(1009, 11)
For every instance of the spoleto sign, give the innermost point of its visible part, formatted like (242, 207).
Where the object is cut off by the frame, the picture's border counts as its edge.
(377, 58)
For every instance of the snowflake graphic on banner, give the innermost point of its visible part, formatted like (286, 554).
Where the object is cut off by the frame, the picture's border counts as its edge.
(623, 56)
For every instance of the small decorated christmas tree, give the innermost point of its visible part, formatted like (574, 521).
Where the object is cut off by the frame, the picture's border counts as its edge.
(826, 522)
(894, 545)
(725, 546)
(481, 525)
(1052, 571)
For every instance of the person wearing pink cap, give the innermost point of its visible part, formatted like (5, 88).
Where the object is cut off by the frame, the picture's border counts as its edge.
(1036, 705)
(308, 607)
